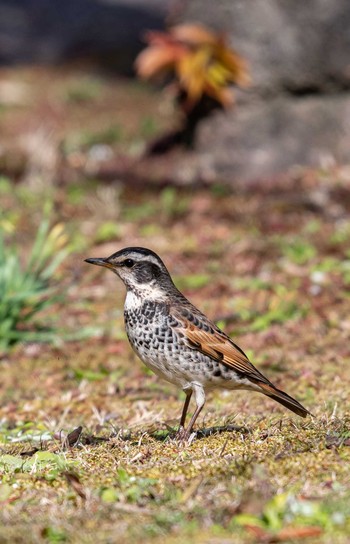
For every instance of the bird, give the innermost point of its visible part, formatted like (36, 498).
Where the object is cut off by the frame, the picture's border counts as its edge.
(177, 341)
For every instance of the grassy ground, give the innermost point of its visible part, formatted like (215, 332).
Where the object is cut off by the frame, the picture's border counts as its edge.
(270, 264)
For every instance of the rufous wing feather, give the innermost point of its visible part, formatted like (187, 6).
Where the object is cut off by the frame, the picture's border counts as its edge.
(204, 336)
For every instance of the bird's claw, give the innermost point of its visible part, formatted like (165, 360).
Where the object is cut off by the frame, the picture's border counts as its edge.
(183, 436)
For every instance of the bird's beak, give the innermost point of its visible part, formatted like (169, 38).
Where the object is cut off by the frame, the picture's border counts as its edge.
(100, 262)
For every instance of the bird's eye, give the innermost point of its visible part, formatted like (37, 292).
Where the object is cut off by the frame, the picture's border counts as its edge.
(128, 263)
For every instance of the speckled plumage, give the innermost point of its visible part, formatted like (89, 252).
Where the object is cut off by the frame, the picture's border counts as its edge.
(176, 341)
(155, 335)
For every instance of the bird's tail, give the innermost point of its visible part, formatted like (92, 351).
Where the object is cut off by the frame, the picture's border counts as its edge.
(286, 400)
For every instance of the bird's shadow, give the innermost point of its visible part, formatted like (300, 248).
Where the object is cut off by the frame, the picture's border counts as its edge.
(161, 435)
(170, 433)
(77, 439)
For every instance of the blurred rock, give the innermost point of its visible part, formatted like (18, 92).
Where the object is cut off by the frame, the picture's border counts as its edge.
(107, 31)
(298, 110)
(261, 139)
(292, 45)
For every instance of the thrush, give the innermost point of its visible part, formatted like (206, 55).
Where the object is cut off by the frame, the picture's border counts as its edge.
(179, 343)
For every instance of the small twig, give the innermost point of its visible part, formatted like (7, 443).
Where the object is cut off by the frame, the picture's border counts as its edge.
(223, 448)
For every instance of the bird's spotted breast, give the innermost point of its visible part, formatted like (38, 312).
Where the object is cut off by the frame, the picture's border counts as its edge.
(154, 341)
(155, 335)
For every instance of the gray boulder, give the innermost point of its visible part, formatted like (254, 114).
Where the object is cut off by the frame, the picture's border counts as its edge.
(298, 109)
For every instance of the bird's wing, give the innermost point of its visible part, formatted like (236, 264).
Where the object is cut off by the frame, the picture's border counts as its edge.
(201, 334)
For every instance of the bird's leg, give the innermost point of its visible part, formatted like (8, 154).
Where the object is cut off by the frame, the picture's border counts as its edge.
(180, 432)
(200, 401)
(185, 408)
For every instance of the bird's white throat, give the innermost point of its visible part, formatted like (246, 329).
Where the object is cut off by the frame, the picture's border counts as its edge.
(136, 298)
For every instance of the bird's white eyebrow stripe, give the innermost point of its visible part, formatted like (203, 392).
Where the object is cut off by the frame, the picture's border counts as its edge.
(144, 258)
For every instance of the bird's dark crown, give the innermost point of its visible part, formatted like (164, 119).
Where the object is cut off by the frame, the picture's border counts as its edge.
(138, 253)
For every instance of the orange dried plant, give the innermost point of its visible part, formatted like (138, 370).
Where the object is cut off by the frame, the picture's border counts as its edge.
(199, 60)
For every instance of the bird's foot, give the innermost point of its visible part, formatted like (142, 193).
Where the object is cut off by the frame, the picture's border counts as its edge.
(181, 434)
(184, 436)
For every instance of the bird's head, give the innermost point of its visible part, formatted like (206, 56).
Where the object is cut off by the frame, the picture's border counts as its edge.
(140, 269)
